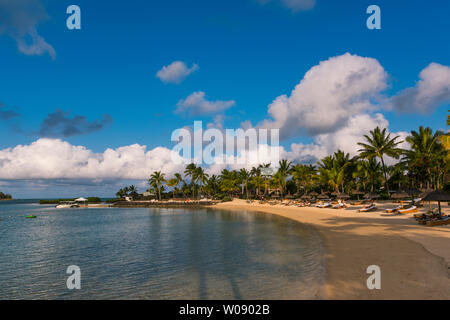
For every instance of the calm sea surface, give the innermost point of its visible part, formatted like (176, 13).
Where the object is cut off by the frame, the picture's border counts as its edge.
(155, 254)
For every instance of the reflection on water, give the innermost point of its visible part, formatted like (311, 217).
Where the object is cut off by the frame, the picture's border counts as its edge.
(156, 254)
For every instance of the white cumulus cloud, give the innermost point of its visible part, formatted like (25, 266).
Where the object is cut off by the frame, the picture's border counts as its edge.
(431, 91)
(197, 104)
(175, 72)
(57, 159)
(328, 96)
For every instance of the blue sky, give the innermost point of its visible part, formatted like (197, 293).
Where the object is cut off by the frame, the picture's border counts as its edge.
(246, 51)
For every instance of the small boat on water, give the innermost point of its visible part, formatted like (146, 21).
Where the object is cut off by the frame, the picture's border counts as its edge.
(67, 205)
(30, 216)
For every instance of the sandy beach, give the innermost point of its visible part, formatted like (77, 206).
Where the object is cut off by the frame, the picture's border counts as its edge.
(414, 259)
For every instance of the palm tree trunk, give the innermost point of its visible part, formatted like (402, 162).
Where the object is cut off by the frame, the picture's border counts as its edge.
(386, 184)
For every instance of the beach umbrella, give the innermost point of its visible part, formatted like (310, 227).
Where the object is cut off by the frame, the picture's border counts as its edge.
(371, 195)
(335, 193)
(81, 200)
(438, 196)
(343, 196)
(400, 195)
(358, 193)
(425, 192)
(323, 196)
(305, 197)
(314, 194)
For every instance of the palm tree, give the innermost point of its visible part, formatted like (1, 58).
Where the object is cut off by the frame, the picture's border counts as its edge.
(212, 185)
(157, 179)
(303, 176)
(257, 178)
(265, 175)
(173, 183)
(378, 145)
(426, 155)
(120, 194)
(370, 169)
(190, 172)
(132, 191)
(284, 171)
(244, 176)
(229, 181)
(201, 176)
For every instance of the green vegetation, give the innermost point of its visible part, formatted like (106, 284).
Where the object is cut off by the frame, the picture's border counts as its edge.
(130, 191)
(424, 163)
(57, 201)
(4, 196)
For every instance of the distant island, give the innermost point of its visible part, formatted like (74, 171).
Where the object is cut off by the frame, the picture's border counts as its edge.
(5, 196)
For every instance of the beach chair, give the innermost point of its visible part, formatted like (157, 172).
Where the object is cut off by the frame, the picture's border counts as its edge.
(444, 220)
(368, 208)
(340, 205)
(412, 209)
(324, 205)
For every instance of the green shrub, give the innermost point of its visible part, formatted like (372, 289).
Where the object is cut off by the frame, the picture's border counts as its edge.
(226, 199)
(54, 201)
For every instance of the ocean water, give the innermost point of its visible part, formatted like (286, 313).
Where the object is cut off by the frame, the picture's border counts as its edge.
(156, 254)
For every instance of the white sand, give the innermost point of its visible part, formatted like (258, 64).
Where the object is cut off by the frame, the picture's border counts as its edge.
(414, 259)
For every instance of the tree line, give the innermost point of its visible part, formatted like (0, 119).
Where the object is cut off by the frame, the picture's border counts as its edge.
(424, 165)
(4, 196)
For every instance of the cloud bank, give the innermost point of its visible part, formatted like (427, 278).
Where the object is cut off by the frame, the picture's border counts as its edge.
(57, 159)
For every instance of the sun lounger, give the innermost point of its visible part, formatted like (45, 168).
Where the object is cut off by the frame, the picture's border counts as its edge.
(438, 222)
(412, 209)
(393, 210)
(372, 207)
(324, 205)
(339, 205)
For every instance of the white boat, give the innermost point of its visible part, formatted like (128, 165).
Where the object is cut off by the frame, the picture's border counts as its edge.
(67, 205)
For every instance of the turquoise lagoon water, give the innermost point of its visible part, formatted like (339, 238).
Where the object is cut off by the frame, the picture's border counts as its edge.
(156, 254)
